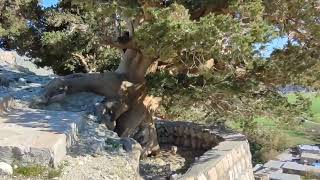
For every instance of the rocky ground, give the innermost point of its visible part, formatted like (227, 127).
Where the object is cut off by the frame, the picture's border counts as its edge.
(101, 154)
(98, 153)
(170, 161)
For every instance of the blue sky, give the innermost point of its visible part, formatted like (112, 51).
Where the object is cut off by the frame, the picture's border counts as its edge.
(277, 43)
(48, 3)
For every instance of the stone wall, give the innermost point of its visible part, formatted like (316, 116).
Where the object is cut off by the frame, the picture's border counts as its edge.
(227, 155)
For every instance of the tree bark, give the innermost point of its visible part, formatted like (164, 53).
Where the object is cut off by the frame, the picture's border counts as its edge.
(123, 109)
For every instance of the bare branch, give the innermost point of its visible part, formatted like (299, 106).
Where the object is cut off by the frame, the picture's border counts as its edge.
(83, 61)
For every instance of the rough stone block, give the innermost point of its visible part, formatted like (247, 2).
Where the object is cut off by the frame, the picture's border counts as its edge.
(5, 169)
(220, 170)
(225, 164)
(201, 177)
(231, 174)
(37, 136)
(212, 174)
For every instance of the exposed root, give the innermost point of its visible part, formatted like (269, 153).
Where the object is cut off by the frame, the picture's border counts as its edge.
(125, 109)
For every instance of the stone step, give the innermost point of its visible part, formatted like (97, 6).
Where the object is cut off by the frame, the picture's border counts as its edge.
(33, 136)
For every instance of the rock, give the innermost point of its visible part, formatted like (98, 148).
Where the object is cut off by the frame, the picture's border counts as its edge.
(92, 117)
(22, 80)
(33, 133)
(38, 136)
(98, 146)
(4, 81)
(5, 169)
(38, 100)
(113, 144)
(127, 144)
(5, 103)
(160, 162)
(58, 97)
(54, 107)
(192, 133)
(187, 142)
(174, 177)
(170, 139)
(174, 149)
(193, 143)
(22, 64)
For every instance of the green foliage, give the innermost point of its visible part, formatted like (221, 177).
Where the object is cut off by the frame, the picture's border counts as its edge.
(270, 121)
(39, 171)
(309, 99)
(212, 71)
(293, 65)
(298, 63)
(28, 171)
(169, 33)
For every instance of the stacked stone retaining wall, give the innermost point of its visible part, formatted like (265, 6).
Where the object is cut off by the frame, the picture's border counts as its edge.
(227, 155)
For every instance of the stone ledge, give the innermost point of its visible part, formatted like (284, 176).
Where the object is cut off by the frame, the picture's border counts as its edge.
(32, 136)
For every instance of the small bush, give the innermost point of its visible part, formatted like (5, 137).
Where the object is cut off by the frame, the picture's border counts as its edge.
(35, 170)
(40, 171)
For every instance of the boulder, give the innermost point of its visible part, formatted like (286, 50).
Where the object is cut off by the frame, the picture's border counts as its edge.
(5, 169)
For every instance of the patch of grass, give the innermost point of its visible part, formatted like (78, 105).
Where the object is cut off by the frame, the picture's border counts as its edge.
(292, 98)
(260, 120)
(315, 109)
(299, 135)
(52, 173)
(28, 171)
(315, 106)
(39, 171)
(306, 133)
(315, 103)
(282, 135)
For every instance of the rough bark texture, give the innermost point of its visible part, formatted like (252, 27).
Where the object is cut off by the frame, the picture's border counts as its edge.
(124, 108)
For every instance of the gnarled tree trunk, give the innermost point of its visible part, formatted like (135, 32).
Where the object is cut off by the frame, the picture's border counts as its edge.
(124, 108)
